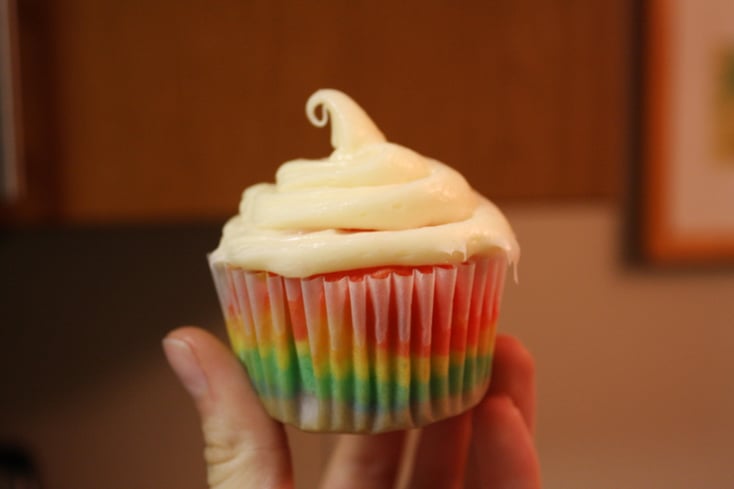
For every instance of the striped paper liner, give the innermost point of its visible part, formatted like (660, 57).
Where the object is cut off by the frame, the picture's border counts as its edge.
(365, 351)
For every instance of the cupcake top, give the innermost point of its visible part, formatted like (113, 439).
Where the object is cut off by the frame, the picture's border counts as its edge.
(371, 203)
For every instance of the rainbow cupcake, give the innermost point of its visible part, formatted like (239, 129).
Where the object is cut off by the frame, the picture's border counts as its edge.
(361, 292)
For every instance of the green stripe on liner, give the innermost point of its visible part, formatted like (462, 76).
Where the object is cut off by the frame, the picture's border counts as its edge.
(298, 378)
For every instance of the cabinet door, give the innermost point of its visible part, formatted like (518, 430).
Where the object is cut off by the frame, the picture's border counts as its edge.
(166, 110)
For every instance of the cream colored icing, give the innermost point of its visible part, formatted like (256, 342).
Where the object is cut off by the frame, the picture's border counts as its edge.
(370, 203)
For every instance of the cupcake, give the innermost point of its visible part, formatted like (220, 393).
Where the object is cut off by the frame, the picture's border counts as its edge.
(361, 291)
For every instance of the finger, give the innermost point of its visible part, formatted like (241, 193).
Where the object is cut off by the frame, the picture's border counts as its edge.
(502, 452)
(442, 451)
(365, 461)
(245, 448)
(513, 375)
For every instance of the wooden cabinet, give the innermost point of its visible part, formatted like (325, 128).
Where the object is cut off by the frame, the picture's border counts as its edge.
(166, 110)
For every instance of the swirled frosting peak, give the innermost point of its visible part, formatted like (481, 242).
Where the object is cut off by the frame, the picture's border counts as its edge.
(345, 134)
(370, 203)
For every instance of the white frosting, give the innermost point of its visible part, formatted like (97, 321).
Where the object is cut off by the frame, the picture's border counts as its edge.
(371, 203)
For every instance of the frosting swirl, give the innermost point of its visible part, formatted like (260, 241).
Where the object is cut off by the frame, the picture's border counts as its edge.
(370, 203)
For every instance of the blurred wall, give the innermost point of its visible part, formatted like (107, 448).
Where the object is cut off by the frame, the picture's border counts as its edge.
(634, 365)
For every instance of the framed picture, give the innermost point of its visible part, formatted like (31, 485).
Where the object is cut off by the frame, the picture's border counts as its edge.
(686, 190)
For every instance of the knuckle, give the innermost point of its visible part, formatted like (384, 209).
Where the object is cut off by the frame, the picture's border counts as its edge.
(234, 457)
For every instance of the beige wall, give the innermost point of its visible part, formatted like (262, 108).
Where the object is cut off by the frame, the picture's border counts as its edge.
(634, 367)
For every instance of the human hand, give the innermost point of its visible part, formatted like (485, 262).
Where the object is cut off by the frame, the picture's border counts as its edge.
(490, 446)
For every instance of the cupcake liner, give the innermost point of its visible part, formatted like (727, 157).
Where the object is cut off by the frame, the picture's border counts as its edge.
(370, 351)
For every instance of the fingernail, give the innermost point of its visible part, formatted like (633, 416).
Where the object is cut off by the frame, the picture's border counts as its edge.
(183, 361)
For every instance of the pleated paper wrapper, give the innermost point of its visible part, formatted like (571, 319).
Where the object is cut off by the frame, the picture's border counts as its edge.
(365, 351)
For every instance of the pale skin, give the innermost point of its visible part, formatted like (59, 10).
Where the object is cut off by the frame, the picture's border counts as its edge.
(490, 446)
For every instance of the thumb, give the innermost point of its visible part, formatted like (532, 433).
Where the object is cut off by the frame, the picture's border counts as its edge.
(245, 448)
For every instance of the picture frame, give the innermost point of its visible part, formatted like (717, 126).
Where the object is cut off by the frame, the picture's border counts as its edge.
(685, 189)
